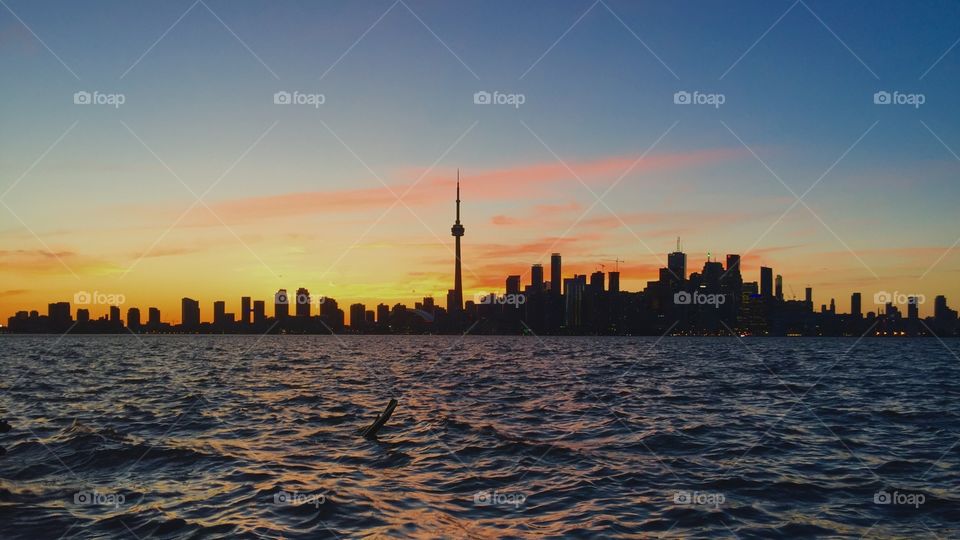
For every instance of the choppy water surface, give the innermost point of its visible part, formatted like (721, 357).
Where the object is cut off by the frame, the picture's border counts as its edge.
(241, 436)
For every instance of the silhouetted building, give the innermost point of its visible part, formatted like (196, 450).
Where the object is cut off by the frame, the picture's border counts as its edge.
(383, 315)
(556, 278)
(83, 315)
(596, 282)
(331, 315)
(513, 284)
(153, 318)
(614, 281)
(573, 290)
(190, 313)
(133, 319)
(733, 264)
(358, 317)
(58, 315)
(259, 312)
(245, 310)
(778, 288)
(855, 305)
(281, 305)
(303, 302)
(536, 277)
(766, 282)
(677, 266)
(219, 313)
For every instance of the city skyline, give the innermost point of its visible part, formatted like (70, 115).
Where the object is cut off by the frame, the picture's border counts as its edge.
(808, 171)
(678, 301)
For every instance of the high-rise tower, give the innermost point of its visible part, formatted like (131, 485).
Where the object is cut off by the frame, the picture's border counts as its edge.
(455, 299)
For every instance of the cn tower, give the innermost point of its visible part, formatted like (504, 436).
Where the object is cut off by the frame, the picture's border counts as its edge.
(456, 300)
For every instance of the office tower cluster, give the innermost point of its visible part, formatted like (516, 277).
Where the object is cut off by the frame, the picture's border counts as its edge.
(714, 301)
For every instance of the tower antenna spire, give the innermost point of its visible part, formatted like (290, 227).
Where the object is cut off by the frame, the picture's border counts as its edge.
(455, 298)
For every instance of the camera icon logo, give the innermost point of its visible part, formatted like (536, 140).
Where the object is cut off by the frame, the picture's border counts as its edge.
(483, 498)
(282, 98)
(281, 298)
(682, 98)
(881, 98)
(82, 98)
(882, 297)
(82, 298)
(82, 497)
(682, 298)
(281, 497)
(882, 497)
(682, 497)
(482, 98)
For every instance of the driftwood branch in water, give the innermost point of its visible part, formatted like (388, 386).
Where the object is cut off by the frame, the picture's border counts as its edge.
(382, 418)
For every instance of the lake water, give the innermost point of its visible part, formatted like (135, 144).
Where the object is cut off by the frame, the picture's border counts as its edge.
(243, 436)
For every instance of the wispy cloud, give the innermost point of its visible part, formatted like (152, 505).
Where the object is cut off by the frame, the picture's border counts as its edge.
(524, 181)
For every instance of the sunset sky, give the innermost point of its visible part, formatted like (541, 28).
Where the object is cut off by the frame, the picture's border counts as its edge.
(103, 198)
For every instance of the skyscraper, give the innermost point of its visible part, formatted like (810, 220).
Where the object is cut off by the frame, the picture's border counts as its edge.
(778, 288)
(281, 304)
(358, 317)
(536, 277)
(556, 284)
(596, 282)
(245, 310)
(677, 265)
(59, 315)
(189, 313)
(913, 308)
(455, 300)
(513, 284)
(766, 282)
(303, 302)
(614, 286)
(153, 318)
(733, 264)
(219, 312)
(259, 311)
(133, 318)
(855, 305)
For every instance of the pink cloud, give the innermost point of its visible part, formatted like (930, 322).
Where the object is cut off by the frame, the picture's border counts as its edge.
(492, 184)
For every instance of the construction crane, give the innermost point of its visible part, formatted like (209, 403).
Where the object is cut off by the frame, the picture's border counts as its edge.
(616, 262)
